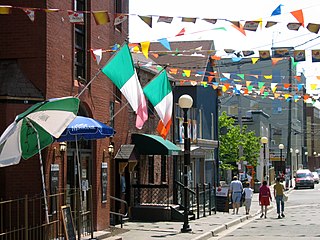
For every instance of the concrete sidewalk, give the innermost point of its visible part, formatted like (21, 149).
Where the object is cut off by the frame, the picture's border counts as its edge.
(202, 228)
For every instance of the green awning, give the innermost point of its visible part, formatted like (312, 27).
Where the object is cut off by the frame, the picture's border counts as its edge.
(148, 144)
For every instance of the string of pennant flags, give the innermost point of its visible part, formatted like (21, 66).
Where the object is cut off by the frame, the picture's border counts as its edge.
(103, 17)
(231, 83)
(198, 52)
(273, 91)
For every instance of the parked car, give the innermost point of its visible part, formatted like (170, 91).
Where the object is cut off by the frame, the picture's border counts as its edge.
(315, 177)
(304, 178)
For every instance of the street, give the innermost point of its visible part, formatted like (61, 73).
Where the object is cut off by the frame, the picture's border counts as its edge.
(302, 211)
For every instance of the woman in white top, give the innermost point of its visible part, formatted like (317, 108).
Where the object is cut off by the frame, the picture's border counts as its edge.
(248, 194)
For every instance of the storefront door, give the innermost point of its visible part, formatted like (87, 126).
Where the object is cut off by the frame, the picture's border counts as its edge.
(78, 183)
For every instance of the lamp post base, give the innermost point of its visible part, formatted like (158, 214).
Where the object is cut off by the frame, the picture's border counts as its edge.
(185, 229)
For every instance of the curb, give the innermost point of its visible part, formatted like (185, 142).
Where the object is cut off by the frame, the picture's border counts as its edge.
(222, 228)
(225, 226)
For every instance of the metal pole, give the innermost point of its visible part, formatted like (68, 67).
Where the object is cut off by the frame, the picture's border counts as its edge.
(264, 162)
(307, 166)
(186, 227)
(289, 153)
(240, 125)
(281, 163)
(291, 168)
(91, 212)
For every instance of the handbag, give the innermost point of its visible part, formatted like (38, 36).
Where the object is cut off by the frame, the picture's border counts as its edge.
(285, 197)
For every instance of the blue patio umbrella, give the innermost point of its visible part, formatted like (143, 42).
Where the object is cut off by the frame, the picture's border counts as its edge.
(87, 129)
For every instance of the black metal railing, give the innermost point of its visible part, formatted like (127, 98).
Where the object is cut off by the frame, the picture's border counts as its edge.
(24, 218)
(180, 196)
(119, 214)
(205, 196)
(201, 198)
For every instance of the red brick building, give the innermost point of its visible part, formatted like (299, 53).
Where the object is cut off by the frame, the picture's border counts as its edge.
(50, 57)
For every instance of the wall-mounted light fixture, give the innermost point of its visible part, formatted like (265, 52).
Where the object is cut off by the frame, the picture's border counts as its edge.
(62, 147)
(62, 150)
(111, 148)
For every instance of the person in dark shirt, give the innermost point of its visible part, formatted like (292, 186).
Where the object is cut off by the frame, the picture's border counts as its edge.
(278, 190)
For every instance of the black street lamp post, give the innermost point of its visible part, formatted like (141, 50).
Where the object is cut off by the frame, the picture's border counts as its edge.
(185, 102)
(306, 159)
(282, 169)
(264, 141)
(291, 168)
(297, 153)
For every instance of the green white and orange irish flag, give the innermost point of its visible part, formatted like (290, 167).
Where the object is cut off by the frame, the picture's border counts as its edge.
(120, 70)
(159, 93)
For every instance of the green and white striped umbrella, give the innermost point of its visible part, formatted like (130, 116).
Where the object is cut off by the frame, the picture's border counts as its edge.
(34, 129)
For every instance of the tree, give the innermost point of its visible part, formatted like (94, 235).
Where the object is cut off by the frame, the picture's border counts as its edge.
(230, 141)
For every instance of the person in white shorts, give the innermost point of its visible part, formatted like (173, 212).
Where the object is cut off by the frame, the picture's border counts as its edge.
(236, 191)
(248, 194)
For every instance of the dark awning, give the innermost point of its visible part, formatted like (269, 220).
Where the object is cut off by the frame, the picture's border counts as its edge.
(125, 153)
(148, 144)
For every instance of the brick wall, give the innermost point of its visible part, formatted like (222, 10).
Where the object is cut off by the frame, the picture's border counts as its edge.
(45, 54)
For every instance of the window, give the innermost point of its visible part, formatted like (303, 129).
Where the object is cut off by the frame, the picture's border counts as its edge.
(80, 43)
(119, 9)
(111, 114)
(163, 168)
(118, 95)
(151, 168)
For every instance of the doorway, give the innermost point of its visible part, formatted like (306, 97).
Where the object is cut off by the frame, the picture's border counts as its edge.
(79, 180)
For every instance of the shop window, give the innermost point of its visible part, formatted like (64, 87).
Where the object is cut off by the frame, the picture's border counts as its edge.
(119, 9)
(151, 168)
(163, 169)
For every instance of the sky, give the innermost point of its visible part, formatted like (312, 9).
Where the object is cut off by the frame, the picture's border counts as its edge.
(233, 10)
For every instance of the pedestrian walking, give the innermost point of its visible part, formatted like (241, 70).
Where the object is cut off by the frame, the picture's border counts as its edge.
(236, 194)
(278, 191)
(248, 194)
(264, 198)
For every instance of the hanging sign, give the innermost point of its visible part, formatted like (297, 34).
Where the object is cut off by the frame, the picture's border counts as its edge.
(104, 181)
(54, 185)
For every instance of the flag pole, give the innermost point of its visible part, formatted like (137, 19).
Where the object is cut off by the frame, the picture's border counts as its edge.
(118, 111)
(94, 77)
(163, 69)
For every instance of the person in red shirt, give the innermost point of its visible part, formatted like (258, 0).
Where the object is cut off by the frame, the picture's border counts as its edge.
(264, 198)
